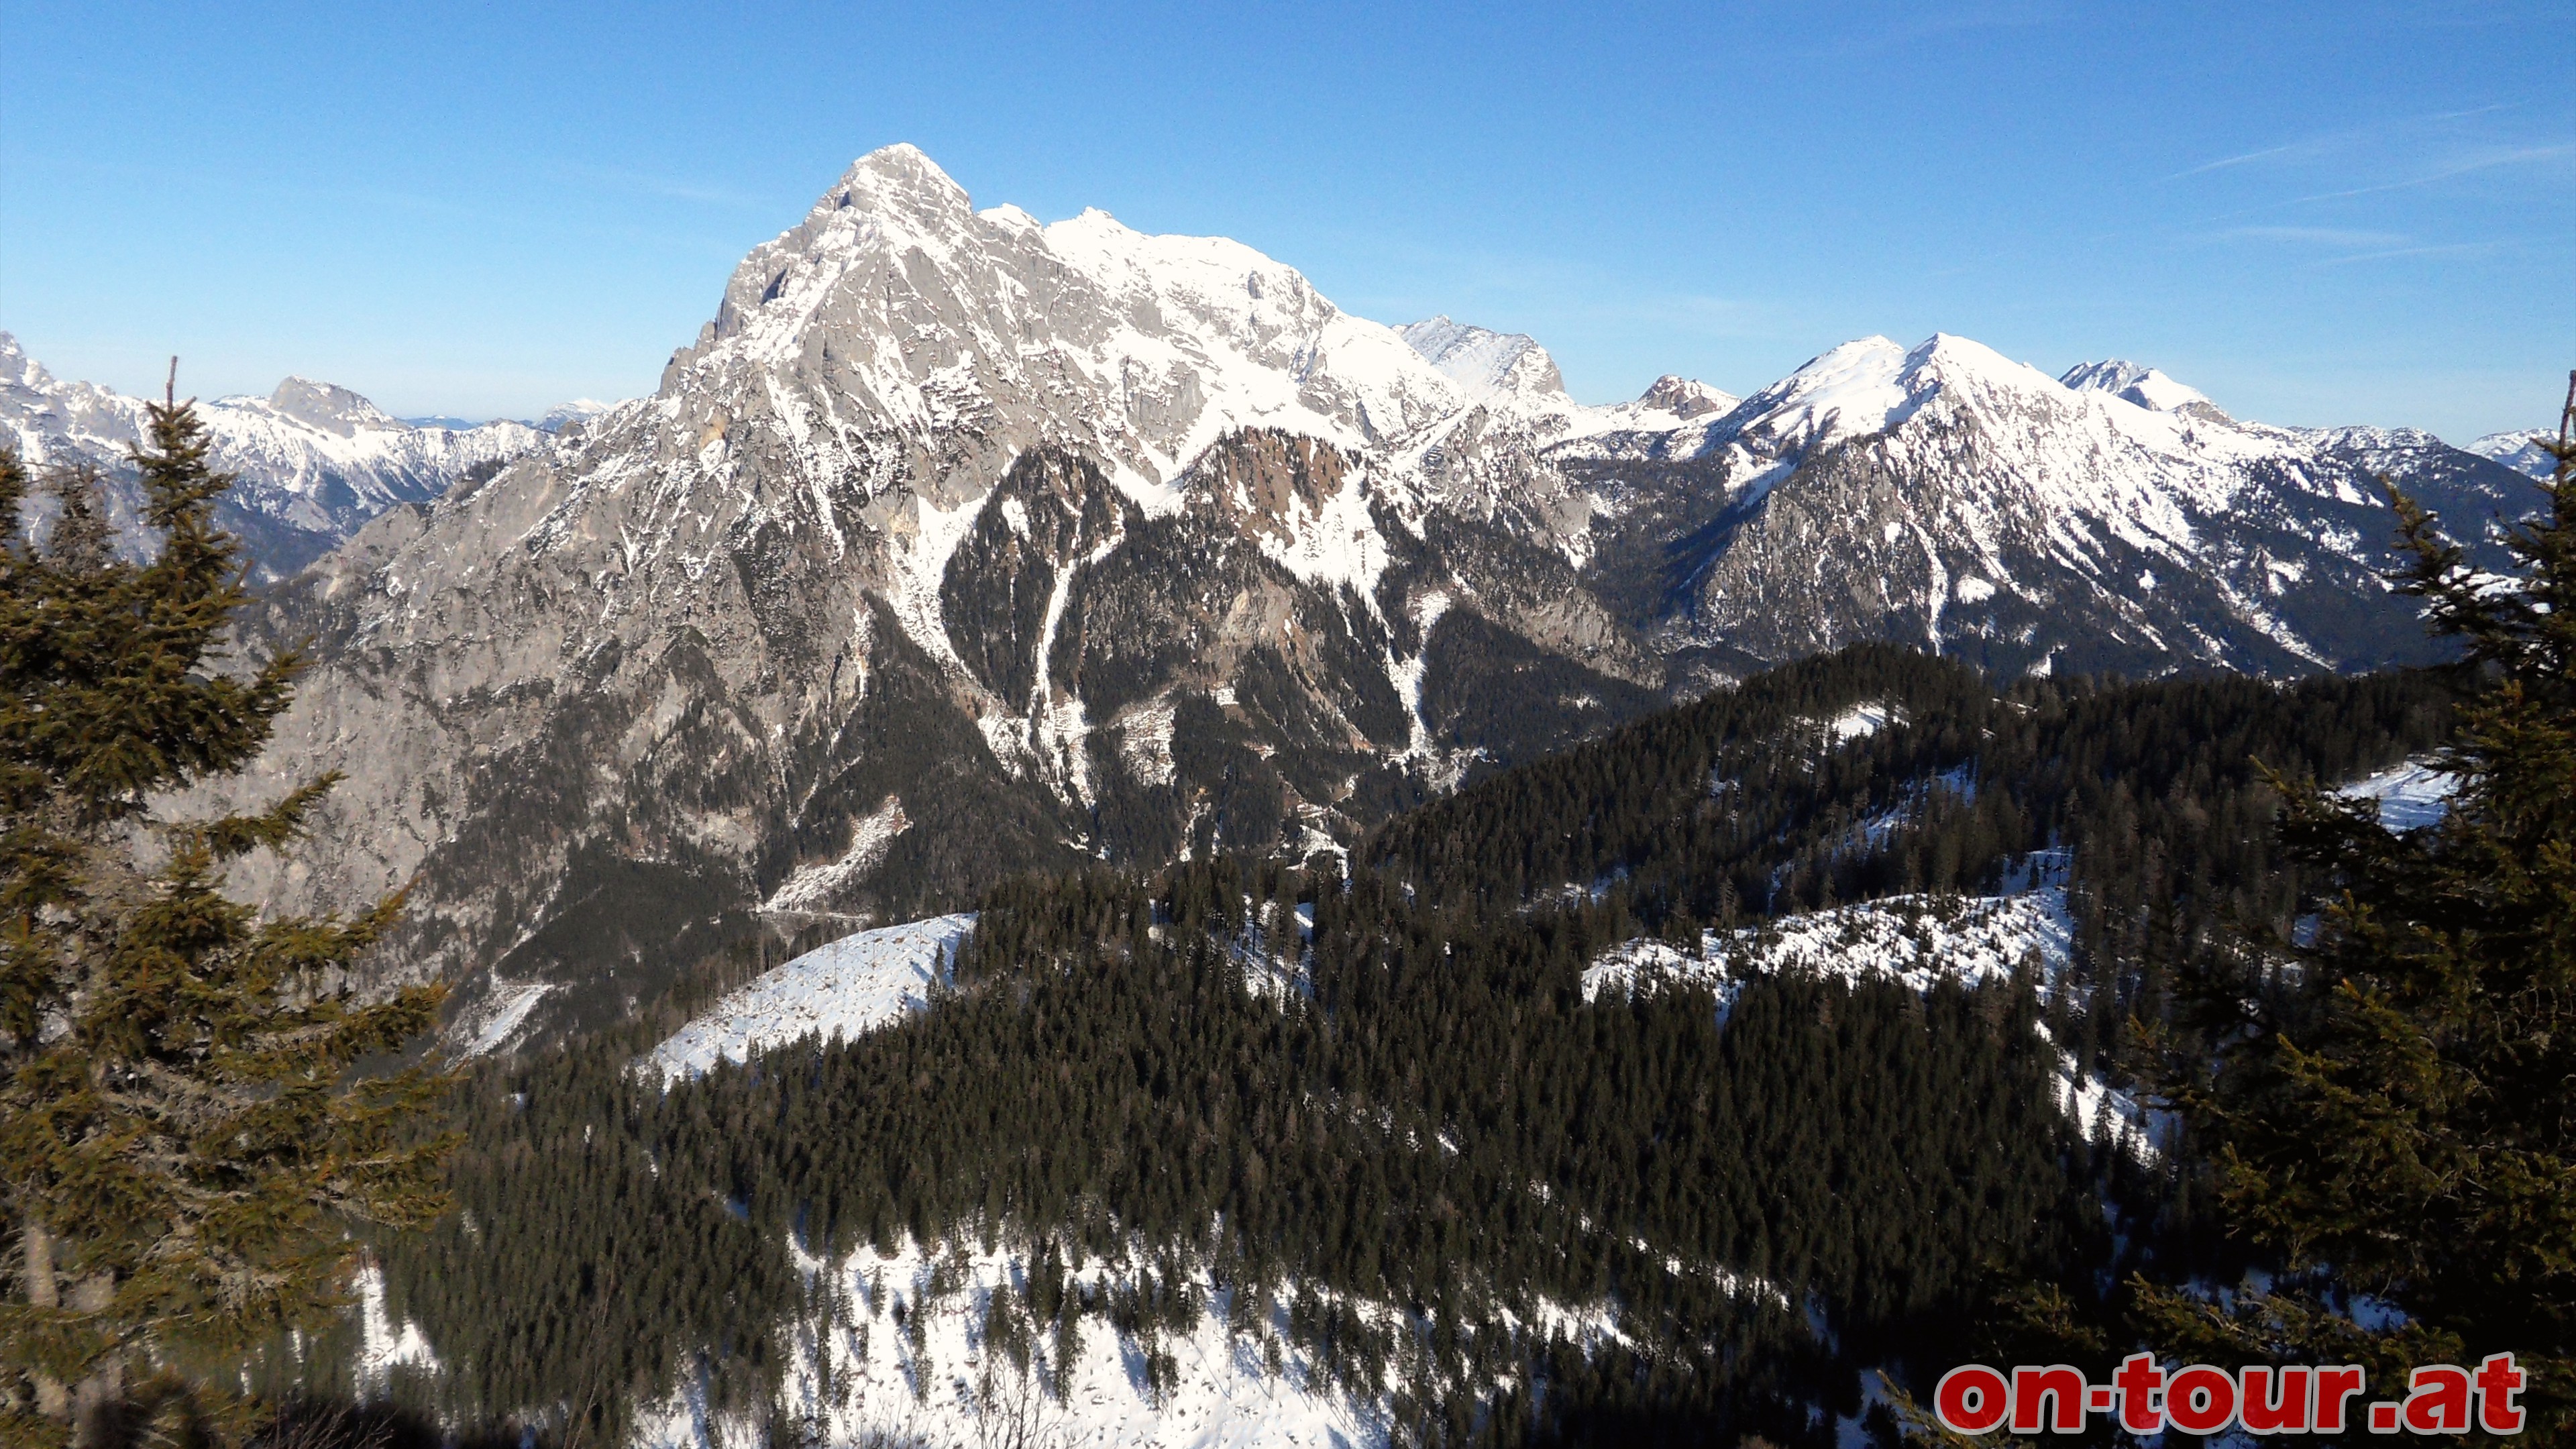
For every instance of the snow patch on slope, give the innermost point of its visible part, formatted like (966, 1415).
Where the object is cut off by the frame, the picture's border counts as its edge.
(510, 1003)
(1861, 721)
(383, 1345)
(905, 1355)
(2410, 796)
(1919, 940)
(852, 986)
(814, 888)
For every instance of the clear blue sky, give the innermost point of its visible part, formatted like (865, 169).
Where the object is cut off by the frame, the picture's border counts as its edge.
(2348, 212)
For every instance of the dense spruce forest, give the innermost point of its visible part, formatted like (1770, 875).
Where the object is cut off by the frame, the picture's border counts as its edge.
(1409, 1100)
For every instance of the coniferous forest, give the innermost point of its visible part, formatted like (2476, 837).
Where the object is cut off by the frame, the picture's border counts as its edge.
(1427, 1111)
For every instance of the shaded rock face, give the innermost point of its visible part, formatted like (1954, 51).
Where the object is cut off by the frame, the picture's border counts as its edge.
(959, 546)
(583, 793)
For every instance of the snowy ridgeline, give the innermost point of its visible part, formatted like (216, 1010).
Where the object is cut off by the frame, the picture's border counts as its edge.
(2411, 796)
(855, 984)
(1918, 940)
(868, 980)
(936, 1346)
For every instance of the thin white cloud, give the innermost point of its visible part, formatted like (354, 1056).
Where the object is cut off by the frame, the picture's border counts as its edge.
(2483, 161)
(2451, 249)
(2327, 142)
(2332, 236)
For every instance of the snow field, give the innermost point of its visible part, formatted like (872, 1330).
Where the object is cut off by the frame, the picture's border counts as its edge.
(2409, 796)
(901, 1347)
(853, 985)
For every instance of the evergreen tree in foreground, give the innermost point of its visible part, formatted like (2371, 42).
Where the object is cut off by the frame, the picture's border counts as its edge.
(2395, 1114)
(183, 1134)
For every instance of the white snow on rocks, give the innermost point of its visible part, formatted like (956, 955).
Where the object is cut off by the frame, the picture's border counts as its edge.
(311, 454)
(813, 889)
(1916, 939)
(1919, 940)
(851, 986)
(383, 1345)
(2410, 796)
(903, 1353)
(2519, 450)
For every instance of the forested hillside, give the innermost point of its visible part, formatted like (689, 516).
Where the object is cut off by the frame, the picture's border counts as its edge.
(1372, 1118)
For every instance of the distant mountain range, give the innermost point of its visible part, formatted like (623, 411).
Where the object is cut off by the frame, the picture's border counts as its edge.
(960, 544)
(2519, 450)
(315, 461)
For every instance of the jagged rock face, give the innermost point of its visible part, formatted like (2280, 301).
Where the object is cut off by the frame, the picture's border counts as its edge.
(2115, 520)
(314, 461)
(958, 545)
(1685, 399)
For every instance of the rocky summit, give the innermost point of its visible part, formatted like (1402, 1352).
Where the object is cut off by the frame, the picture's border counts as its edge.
(958, 544)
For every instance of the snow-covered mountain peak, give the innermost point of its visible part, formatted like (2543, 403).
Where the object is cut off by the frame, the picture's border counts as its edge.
(1871, 384)
(896, 176)
(564, 414)
(17, 367)
(1946, 359)
(2518, 449)
(2145, 386)
(895, 306)
(329, 407)
(1851, 390)
(1487, 364)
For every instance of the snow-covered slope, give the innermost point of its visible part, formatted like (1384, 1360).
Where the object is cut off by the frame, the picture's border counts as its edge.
(853, 985)
(2408, 796)
(2519, 450)
(905, 1351)
(314, 461)
(1486, 364)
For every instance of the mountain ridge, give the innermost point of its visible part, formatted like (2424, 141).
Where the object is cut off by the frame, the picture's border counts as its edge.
(314, 461)
(1061, 541)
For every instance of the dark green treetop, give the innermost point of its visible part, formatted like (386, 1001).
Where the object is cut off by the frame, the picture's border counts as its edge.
(184, 1134)
(2392, 1106)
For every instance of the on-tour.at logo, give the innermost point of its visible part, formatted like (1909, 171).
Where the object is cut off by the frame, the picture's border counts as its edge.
(2202, 1399)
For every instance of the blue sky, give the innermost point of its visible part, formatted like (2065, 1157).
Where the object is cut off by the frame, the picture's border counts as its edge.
(2327, 213)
